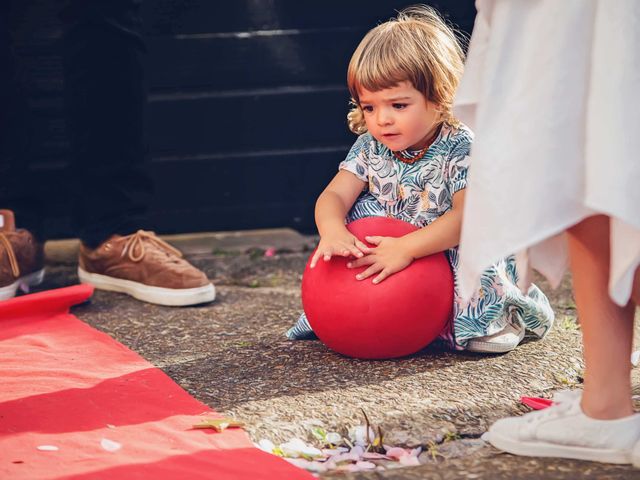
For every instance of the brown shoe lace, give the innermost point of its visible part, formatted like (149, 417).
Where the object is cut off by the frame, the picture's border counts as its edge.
(13, 261)
(136, 242)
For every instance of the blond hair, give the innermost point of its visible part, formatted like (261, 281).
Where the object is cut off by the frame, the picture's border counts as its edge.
(416, 46)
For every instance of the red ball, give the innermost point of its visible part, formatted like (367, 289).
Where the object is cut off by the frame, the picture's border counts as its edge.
(394, 318)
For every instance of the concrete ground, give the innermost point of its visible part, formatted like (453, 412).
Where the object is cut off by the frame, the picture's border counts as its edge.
(233, 356)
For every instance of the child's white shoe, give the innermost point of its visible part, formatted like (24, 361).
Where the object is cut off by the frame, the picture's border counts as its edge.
(564, 431)
(500, 342)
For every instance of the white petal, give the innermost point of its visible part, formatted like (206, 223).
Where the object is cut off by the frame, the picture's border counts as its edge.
(266, 445)
(47, 448)
(110, 445)
(635, 358)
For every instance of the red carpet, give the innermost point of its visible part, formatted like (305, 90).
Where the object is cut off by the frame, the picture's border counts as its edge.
(66, 385)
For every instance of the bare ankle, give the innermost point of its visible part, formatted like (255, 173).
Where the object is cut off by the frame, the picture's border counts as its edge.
(606, 410)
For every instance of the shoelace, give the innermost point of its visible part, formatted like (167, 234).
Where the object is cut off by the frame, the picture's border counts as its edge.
(13, 261)
(136, 242)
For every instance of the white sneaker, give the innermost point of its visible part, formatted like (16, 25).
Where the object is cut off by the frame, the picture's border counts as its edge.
(635, 455)
(564, 431)
(500, 342)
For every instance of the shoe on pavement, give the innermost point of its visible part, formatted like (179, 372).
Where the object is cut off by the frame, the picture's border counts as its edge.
(21, 258)
(564, 431)
(503, 341)
(145, 267)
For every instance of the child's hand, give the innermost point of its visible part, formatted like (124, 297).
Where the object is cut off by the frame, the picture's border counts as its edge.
(387, 258)
(342, 244)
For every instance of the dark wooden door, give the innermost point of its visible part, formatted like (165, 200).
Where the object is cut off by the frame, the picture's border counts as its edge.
(246, 119)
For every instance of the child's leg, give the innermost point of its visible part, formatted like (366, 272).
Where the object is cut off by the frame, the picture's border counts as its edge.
(607, 329)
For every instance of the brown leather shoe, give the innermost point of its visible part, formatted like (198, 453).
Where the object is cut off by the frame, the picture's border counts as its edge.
(21, 258)
(146, 268)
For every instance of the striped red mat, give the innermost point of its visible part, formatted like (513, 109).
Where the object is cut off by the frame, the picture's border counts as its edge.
(76, 404)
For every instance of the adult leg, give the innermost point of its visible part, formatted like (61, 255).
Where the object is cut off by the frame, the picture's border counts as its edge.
(17, 190)
(105, 98)
(607, 329)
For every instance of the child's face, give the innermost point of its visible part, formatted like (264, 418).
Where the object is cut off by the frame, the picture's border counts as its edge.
(400, 117)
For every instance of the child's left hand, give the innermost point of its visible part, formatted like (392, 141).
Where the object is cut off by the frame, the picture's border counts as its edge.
(388, 257)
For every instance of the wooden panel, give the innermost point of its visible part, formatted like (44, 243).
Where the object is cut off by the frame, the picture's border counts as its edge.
(167, 17)
(247, 115)
(282, 119)
(259, 191)
(299, 58)
(287, 118)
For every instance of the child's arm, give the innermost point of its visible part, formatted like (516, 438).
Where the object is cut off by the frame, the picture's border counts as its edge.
(394, 254)
(331, 209)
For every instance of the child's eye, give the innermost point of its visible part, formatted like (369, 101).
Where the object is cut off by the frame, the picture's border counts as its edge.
(399, 106)
(367, 108)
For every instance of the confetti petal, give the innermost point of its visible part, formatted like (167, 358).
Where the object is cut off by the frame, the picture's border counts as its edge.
(47, 448)
(397, 453)
(635, 358)
(219, 424)
(110, 445)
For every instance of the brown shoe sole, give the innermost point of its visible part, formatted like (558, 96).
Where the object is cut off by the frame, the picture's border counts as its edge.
(172, 297)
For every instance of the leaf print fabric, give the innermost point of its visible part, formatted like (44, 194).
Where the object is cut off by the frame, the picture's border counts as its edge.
(421, 192)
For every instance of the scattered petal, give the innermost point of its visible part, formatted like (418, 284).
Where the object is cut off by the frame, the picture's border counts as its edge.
(270, 252)
(536, 403)
(297, 448)
(333, 438)
(375, 456)
(309, 465)
(635, 358)
(416, 452)
(409, 461)
(334, 451)
(358, 435)
(47, 448)
(266, 445)
(357, 450)
(110, 426)
(110, 445)
(397, 453)
(365, 465)
(219, 424)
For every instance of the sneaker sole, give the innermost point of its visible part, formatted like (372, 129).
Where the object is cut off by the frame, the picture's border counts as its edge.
(553, 450)
(172, 297)
(23, 283)
(489, 347)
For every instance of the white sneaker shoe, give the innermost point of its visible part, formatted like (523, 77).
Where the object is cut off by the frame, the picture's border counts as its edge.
(564, 431)
(500, 342)
(635, 455)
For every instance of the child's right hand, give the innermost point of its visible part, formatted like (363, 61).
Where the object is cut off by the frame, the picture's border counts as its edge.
(342, 244)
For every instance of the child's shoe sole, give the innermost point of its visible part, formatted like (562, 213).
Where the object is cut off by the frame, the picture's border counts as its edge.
(23, 283)
(147, 293)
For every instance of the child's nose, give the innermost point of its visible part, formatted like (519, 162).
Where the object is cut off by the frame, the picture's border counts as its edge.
(384, 118)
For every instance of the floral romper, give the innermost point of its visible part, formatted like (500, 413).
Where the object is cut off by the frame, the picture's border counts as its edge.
(421, 192)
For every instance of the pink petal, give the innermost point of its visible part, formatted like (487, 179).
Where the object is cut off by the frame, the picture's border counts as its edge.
(409, 461)
(397, 453)
(375, 456)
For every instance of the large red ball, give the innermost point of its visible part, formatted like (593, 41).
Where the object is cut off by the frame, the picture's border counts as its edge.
(394, 318)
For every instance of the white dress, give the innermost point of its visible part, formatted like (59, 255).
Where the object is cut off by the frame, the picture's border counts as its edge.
(552, 90)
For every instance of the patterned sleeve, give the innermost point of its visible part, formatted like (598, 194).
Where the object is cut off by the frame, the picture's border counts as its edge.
(458, 165)
(357, 161)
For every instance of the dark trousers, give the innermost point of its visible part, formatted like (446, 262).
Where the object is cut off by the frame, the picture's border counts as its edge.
(104, 97)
